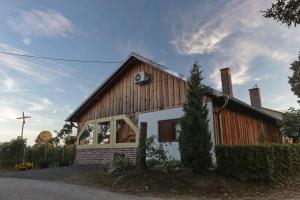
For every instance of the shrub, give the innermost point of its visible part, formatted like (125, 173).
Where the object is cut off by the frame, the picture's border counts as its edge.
(120, 165)
(153, 162)
(63, 163)
(172, 165)
(24, 166)
(258, 162)
(44, 163)
(155, 150)
(11, 152)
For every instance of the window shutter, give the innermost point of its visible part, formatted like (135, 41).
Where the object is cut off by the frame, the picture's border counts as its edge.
(166, 130)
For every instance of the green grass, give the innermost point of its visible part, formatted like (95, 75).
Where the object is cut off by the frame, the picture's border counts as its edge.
(7, 170)
(161, 183)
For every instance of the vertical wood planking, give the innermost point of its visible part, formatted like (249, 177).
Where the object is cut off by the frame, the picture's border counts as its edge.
(155, 90)
(176, 91)
(125, 97)
(241, 128)
(160, 90)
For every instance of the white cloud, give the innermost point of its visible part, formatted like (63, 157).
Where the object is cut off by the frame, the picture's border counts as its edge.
(263, 77)
(199, 42)
(40, 110)
(26, 40)
(8, 113)
(237, 36)
(66, 108)
(208, 36)
(42, 104)
(7, 84)
(36, 72)
(41, 23)
(239, 57)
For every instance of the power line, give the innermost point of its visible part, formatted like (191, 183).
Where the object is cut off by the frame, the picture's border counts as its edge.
(57, 59)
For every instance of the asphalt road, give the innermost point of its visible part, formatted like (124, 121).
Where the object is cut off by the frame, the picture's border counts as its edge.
(27, 189)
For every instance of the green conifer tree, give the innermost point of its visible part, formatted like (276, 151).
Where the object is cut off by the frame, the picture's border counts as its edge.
(195, 139)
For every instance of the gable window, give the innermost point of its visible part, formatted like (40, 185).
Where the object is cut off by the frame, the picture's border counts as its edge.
(103, 132)
(112, 131)
(169, 130)
(87, 135)
(124, 134)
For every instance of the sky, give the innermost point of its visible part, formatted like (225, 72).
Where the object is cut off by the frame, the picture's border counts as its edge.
(174, 33)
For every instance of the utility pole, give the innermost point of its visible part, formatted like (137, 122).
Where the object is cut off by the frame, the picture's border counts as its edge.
(23, 117)
(23, 122)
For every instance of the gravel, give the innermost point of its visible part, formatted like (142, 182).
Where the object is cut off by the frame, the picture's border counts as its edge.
(56, 173)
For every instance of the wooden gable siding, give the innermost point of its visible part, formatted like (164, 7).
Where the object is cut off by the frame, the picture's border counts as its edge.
(124, 97)
(243, 127)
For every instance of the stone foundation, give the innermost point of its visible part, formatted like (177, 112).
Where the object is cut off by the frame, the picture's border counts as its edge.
(103, 155)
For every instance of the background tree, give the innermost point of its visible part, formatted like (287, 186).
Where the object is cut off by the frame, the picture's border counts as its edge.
(44, 137)
(195, 140)
(294, 80)
(66, 134)
(11, 152)
(285, 11)
(290, 124)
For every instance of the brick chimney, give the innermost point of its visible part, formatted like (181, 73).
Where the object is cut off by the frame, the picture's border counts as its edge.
(255, 97)
(226, 81)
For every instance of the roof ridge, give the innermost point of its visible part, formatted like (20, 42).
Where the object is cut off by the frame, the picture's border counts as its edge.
(165, 69)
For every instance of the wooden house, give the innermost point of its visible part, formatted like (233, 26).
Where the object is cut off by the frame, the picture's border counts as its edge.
(141, 90)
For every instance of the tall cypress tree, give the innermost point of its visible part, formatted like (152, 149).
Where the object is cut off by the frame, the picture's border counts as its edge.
(195, 139)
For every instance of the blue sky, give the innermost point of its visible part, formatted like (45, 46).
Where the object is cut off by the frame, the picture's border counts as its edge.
(174, 33)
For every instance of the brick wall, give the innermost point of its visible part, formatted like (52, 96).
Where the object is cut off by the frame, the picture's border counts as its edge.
(226, 81)
(102, 156)
(255, 97)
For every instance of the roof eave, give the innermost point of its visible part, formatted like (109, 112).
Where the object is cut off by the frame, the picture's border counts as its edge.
(208, 89)
(69, 118)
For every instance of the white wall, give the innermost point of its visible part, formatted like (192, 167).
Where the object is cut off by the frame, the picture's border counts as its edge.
(152, 119)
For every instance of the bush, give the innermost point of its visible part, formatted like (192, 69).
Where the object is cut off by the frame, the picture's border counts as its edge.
(44, 163)
(11, 152)
(153, 162)
(24, 166)
(120, 165)
(63, 163)
(155, 150)
(172, 165)
(258, 162)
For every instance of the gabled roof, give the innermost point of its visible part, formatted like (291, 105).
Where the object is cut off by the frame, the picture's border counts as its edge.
(140, 58)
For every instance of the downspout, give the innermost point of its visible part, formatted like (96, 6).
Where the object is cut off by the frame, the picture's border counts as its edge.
(226, 100)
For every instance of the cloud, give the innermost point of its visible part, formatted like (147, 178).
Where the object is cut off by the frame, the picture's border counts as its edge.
(26, 40)
(37, 72)
(41, 23)
(67, 108)
(207, 37)
(237, 36)
(7, 84)
(40, 110)
(239, 57)
(8, 113)
(42, 104)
